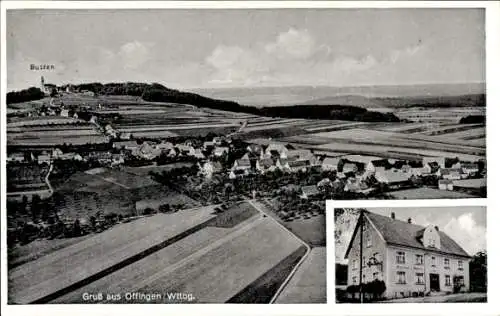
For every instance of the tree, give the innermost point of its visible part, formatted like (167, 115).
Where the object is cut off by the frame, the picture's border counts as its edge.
(164, 208)
(54, 93)
(35, 207)
(148, 211)
(77, 231)
(478, 272)
(93, 222)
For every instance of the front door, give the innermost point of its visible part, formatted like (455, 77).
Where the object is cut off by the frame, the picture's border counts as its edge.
(434, 282)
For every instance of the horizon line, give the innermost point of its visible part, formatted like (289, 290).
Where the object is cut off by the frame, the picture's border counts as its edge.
(272, 86)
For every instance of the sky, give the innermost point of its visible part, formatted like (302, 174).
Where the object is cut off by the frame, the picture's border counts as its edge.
(465, 225)
(222, 48)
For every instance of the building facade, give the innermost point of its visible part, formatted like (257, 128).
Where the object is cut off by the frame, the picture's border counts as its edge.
(410, 259)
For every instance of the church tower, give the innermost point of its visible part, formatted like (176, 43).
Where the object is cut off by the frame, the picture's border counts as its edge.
(42, 83)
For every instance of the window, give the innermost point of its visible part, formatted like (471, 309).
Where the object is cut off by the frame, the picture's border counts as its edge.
(354, 280)
(420, 278)
(433, 261)
(432, 242)
(459, 280)
(364, 227)
(368, 240)
(376, 255)
(364, 278)
(446, 263)
(460, 265)
(400, 257)
(375, 276)
(401, 277)
(364, 261)
(447, 280)
(419, 259)
(354, 264)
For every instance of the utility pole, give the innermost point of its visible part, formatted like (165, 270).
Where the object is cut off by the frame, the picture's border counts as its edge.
(361, 215)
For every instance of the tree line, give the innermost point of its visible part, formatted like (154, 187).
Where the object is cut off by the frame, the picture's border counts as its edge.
(158, 93)
(30, 94)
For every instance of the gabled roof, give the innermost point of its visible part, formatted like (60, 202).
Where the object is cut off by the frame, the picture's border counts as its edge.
(361, 159)
(266, 162)
(243, 163)
(445, 181)
(401, 233)
(469, 165)
(127, 143)
(298, 153)
(392, 176)
(310, 190)
(299, 163)
(330, 161)
(448, 171)
(381, 163)
(349, 166)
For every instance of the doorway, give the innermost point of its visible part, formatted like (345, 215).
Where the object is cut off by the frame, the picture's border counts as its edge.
(434, 282)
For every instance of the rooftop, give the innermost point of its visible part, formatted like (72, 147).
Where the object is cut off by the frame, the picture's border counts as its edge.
(401, 233)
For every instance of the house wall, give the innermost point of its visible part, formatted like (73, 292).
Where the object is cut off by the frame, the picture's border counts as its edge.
(411, 268)
(378, 246)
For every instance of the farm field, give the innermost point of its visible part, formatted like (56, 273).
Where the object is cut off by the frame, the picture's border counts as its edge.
(113, 191)
(475, 133)
(470, 183)
(213, 264)
(308, 284)
(449, 114)
(230, 267)
(53, 141)
(371, 136)
(42, 121)
(174, 255)
(144, 170)
(77, 262)
(393, 152)
(38, 248)
(312, 231)
(428, 193)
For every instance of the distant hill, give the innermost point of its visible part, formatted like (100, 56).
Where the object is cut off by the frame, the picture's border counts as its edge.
(278, 96)
(351, 100)
(158, 93)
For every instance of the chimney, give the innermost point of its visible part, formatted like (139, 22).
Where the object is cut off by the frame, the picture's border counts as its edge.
(393, 215)
(437, 228)
(409, 220)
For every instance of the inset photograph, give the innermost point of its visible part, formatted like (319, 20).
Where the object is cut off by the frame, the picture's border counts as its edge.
(411, 255)
(235, 252)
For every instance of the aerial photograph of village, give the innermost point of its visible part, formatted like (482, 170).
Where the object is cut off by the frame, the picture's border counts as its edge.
(411, 255)
(164, 157)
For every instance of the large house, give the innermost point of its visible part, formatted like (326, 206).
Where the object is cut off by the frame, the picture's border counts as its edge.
(439, 160)
(275, 149)
(330, 164)
(409, 258)
(450, 174)
(264, 165)
(129, 145)
(393, 179)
